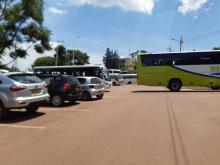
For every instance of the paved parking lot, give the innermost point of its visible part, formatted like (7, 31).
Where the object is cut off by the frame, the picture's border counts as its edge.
(132, 125)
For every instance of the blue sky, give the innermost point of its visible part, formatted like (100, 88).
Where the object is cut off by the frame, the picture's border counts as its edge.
(94, 25)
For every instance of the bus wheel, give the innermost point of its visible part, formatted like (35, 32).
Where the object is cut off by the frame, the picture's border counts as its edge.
(215, 88)
(175, 85)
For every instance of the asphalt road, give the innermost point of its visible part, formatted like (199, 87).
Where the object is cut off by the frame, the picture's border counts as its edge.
(132, 125)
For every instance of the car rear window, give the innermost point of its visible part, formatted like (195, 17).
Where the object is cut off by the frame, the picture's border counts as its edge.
(26, 78)
(95, 81)
(82, 80)
(72, 80)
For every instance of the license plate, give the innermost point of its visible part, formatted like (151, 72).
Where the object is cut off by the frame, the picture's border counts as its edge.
(35, 91)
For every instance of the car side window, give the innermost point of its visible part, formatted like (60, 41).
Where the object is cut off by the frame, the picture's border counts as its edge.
(49, 81)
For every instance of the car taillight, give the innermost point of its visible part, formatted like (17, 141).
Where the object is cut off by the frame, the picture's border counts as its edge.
(66, 86)
(16, 88)
(45, 85)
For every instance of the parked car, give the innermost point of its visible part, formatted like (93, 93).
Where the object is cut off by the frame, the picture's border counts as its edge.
(117, 79)
(21, 90)
(91, 86)
(62, 88)
(130, 78)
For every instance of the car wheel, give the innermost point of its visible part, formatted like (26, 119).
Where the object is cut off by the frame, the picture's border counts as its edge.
(175, 85)
(3, 112)
(86, 96)
(57, 100)
(114, 83)
(32, 108)
(100, 96)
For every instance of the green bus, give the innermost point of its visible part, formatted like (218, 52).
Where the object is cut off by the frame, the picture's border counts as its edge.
(175, 70)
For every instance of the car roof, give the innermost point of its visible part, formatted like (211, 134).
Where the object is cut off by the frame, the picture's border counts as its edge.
(86, 77)
(17, 73)
(55, 75)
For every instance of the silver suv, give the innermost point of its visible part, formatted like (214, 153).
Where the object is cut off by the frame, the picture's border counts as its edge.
(21, 90)
(91, 86)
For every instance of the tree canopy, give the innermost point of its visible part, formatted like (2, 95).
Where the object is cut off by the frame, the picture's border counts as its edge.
(44, 61)
(21, 21)
(77, 57)
(111, 59)
(216, 48)
(63, 57)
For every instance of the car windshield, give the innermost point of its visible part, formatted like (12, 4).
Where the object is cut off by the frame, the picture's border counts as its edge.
(26, 78)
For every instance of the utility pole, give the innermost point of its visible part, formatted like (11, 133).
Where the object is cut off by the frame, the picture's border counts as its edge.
(181, 42)
(169, 49)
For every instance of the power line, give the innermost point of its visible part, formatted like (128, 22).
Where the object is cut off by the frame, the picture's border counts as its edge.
(206, 6)
(173, 22)
(172, 28)
(203, 35)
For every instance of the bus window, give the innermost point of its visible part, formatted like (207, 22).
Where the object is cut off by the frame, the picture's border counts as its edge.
(146, 60)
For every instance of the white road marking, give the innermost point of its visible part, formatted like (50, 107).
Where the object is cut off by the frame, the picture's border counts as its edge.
(67, 110)
(110, 96)
(103, 101)
(82, 110)
(21, 126)
(58, 110)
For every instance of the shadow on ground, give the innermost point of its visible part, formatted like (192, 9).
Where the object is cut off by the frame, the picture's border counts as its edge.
(66, 104)
(20, 116)
(167, 91)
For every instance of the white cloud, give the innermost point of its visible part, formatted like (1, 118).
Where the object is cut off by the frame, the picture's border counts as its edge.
(55, 10)
(144, 6)
(191, 5)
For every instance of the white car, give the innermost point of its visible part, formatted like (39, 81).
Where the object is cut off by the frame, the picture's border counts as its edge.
(21, 90)
(91, 86)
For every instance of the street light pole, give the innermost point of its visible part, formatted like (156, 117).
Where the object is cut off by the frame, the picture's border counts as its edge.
(181, 42)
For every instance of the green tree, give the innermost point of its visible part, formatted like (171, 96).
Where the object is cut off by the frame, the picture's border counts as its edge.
(77, 57)
(3, 66)
(60, 55)
(111, 59)
(216, 48)
(44, 61)
(134, 56)
(21, 21)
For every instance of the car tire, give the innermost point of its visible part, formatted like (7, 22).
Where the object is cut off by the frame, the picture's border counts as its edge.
(57, 100)
(175, 85)
(114, 83)
(32, 108)
(86, 96)
(100, 96)
(3, 112)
